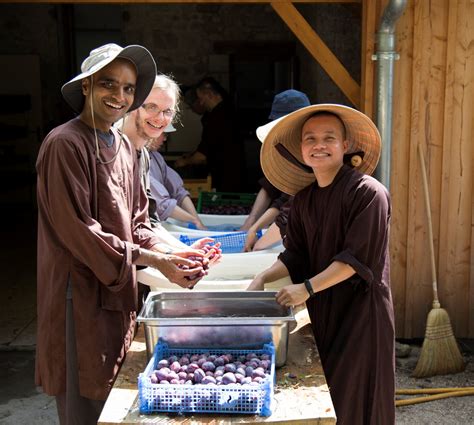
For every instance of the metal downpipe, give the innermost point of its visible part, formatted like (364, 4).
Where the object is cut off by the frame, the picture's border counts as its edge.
(385, 56)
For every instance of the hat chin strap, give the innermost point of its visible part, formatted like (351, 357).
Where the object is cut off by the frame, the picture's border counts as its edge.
(97, 149)
(285, 153)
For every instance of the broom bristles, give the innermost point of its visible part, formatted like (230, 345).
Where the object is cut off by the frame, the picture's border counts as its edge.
(440, 354)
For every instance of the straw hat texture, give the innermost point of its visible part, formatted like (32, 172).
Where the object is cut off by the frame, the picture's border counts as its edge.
(280, 156)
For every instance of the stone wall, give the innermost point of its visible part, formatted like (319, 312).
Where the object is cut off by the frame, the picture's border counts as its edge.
(182, 39)
(189, 41)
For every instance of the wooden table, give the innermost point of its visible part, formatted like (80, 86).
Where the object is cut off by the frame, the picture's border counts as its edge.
(301, 392)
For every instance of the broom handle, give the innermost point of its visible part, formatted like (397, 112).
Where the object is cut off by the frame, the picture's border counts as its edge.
(436, 303)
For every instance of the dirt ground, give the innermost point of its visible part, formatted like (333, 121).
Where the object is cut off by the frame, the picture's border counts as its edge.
(449, 411)
(22, 403)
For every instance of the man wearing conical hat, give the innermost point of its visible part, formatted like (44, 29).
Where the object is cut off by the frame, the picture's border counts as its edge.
(336, 252)
(93, 230)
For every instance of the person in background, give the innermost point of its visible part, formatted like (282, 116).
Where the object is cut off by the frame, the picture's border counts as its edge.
(337, 252)
(274, 219)
(93, 231)
(283, 103)
(167, 187)
(220, 147)
(271, 205)
(146, 126)
(143, 125)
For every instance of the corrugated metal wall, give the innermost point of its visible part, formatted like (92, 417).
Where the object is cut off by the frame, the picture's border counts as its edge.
(433, 106)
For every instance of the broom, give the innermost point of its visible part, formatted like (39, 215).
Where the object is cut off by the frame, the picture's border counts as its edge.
(440, 353)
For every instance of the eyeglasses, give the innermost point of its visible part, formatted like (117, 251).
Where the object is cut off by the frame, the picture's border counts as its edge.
(153, 109)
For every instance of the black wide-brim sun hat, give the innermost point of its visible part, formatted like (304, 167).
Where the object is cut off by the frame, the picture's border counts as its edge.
(101, 57)
(280, 156)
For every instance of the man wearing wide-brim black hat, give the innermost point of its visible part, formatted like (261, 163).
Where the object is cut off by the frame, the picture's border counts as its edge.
(336, 252)
(93, 229)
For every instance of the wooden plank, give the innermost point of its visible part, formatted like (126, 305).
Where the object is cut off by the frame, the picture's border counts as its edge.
(426, 128)
(469, 136)
(449, 144)
(183, 1)
(456, 206)
(464, 102)
(399, 189)
(411, 169)
(303, 400)
(433, 122)
(436, 94)
(369, 29)
(318, 49)
(430, 99)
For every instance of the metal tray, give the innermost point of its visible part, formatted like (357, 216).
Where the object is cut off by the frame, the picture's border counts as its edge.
(239, 320)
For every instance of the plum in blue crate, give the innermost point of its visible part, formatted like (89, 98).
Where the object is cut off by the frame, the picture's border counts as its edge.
(214, 382)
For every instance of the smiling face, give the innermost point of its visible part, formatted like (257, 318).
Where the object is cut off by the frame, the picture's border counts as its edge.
(323, 144)
(109, 93)
(151, 121)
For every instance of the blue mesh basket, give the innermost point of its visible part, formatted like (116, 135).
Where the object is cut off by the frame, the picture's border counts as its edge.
(198, 398)
(225, 227)
(231, 243)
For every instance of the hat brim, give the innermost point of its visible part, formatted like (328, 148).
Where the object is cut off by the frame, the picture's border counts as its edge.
(361, 133)
(146, 73)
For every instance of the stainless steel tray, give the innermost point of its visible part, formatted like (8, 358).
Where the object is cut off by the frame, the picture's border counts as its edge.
(241, 319)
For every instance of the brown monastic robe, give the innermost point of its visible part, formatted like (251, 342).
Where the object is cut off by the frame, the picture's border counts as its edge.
(353, 321)
(92, 218)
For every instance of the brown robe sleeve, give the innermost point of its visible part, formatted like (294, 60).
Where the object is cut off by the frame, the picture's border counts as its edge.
(366, 233)
(72, 206)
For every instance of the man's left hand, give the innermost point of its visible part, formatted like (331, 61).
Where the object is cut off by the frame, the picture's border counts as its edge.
(292, 295)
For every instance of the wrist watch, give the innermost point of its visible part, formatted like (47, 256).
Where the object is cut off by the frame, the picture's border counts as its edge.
(309, 287)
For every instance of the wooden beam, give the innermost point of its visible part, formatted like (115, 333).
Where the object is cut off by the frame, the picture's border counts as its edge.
(181, 1)
(318, 49)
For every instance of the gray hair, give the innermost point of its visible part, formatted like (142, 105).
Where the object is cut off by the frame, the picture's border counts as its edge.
(168, 84)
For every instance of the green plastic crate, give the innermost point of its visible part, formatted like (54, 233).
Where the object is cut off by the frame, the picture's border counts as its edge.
(225, 203)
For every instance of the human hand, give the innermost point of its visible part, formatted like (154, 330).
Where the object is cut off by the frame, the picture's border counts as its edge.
(212, 252)
(245, 227)
(183, 269)
(292, 295)
(200, 243)
(199, 224)
(257, 284)
(250, 240)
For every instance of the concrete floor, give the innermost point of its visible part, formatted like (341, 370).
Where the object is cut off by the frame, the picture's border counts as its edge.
(20, 401)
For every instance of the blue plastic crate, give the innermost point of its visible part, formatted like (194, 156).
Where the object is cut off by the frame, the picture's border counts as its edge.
(224, 227)
(197, 398)
(231, 243)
